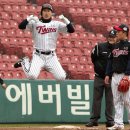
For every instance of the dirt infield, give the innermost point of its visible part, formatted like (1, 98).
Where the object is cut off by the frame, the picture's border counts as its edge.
(65, 127)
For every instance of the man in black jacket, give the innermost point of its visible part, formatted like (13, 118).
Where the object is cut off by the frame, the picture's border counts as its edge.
(119, 67)
(99, 58)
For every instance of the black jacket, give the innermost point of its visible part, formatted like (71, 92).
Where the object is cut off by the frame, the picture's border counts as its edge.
(120, 59)
(99, 57)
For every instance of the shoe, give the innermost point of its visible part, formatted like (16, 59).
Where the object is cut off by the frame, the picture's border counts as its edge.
(116, 127)
(91, 124)
(18, 64)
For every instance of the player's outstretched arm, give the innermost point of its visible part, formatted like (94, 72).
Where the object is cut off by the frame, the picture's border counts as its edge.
(70, 27)
(24, 23)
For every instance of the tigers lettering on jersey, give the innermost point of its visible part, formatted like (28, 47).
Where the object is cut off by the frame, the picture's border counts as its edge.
(44, 29)
(117, 52)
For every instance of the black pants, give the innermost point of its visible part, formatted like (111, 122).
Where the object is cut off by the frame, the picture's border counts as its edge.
(99, 89)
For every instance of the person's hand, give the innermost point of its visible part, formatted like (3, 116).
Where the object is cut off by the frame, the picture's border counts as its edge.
(107, 80)
(62, 17)
(4, 86)
(32, 17)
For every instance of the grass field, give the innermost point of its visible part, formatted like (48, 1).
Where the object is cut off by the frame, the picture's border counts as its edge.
(52, 127)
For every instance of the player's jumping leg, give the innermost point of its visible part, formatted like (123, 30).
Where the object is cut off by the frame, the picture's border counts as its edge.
(32, 69)
(54, 66)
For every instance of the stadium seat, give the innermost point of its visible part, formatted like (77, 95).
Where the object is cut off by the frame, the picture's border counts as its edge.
(69, 52)
(83, 36)
(89, 68)
(19, 33)
(124, 20)
(69, 3)
(112, 12)
(13, 58)
(6, 24)
(91, 76)
(74, 36)
(125, 5)
(78, 44)
(24, 8)
(65, 60)
(32, 9)
(107, 21)
(117, 4)
(88, 12)
(11, 67)
(77, 52)
(80, 11)
(75, 60)
(86, 52)
(101, 3)
(79, 28)
(91, 20)
(18, 75)
(27, 34)
(87, 45)
(3, 33)
(85, 3)
(16, 8)
(96, 12)
(4, 40)
(115, 21)
(66, 36)
(3, 67)
(6, 58)
(4, 15)
(77, 3)
(13, 41)
(109, 4)
(121, 13)
(4, 2)
(15, 16)
(60, 51)
(11, 33)
(60, 43)
(72, 10)
(20, 2)
(81, 68)
(83, 60)
(7, 8)
(13, 24)
(104, 12)
(8, 75)
(68, 44)
(72, 67)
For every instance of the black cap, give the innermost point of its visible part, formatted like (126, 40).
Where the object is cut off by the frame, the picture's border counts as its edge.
(47, 6)
(112, 33)
(122, 27)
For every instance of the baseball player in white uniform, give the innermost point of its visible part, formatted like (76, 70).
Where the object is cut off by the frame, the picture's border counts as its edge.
(45, 32)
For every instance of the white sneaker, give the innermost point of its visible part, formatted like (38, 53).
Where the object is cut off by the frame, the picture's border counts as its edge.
(116, 127)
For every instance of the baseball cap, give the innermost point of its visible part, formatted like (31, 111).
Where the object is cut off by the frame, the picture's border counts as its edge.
(47, 6)
(112, 33)
(122, 27)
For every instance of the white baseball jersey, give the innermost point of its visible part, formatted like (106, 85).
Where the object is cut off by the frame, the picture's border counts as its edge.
(45, 34)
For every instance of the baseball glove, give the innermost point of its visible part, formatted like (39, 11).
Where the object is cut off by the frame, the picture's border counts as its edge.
(123, 85)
